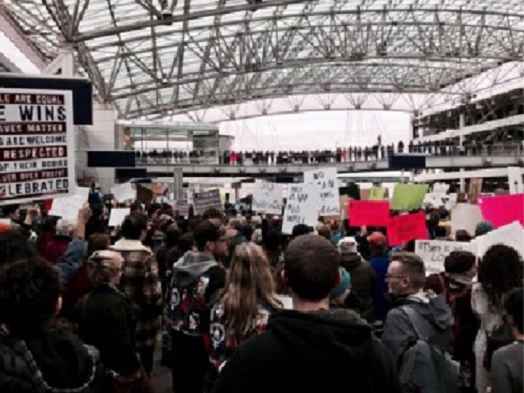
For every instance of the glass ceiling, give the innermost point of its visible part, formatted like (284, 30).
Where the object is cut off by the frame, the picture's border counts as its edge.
(163, 58)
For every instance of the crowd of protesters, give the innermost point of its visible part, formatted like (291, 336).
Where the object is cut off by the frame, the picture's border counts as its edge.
(241, 307)
(339, 155)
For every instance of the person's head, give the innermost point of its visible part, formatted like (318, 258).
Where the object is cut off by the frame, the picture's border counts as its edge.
(14, 247)
(214, 215)
(514, 306)
(499, 271)
(186, 242)
(300, 229)
(249, 284)
(134, 226)
(311, 265)
(65, 227)
(105, 267)
(483, 227)
(97, 241)
(209, 238)
(29, 296)
(12, 212)
(406, 274)
(256, 221)
(324, 231)
(235, 224)
(172, 235)
(347, 245)
(378, 244)
(461, 265)
(462, 235)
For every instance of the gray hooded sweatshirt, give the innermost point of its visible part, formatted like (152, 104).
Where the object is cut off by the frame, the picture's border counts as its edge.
(436, 323)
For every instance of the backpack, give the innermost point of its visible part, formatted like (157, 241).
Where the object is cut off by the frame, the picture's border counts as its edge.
(424, 367)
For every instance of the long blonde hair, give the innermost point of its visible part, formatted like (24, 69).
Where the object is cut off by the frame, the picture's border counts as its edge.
(249, 284)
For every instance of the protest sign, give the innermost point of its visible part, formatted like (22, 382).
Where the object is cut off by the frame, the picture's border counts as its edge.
(434, 252)
(440, 188)
(408, 196)
(503, 209)
(406, 227)
(301, 207)
(117, 216)
(368, 213)
(364, 194)
(377, 193)
(36, 145)
(325, 180)
(124, 192)
(67, 207)
(205, 200)
(465, 216)
(510, 235)
(267, 198)
(438, 199)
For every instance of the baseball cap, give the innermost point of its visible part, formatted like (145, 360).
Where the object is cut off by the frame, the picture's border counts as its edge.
(377, 239)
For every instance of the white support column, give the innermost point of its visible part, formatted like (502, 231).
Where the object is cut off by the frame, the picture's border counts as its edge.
(462, 181)
(63, 64)
(515, 180)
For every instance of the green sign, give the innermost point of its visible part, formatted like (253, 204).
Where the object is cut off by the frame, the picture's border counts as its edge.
(377, 193)
(408, 196)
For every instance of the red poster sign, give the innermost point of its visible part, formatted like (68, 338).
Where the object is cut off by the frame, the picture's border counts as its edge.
(370, 213)
(403, 228)
(503, 209)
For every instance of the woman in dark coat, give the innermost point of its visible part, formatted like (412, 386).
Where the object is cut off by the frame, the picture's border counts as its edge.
(105, 316)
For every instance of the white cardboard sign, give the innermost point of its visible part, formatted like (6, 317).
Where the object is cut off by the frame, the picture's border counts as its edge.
(117, 216)
(301, 207)
(267, 198)
(326, 183)
(510, 235)
(434, 252)
(124, 192)
(67, 207)
(465, 216)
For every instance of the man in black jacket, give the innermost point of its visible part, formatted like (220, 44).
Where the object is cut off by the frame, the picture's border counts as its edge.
(311, 348)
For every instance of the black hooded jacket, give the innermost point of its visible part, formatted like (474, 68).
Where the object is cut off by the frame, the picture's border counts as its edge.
(49, 362)
(327, 351)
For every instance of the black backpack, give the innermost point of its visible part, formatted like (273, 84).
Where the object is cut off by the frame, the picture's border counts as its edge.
(424, 367)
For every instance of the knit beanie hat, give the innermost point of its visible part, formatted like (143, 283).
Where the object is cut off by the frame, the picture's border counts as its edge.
(344, 283)
(347, 245)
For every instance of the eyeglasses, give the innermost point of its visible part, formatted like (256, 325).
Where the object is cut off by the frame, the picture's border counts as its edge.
(399, 276)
